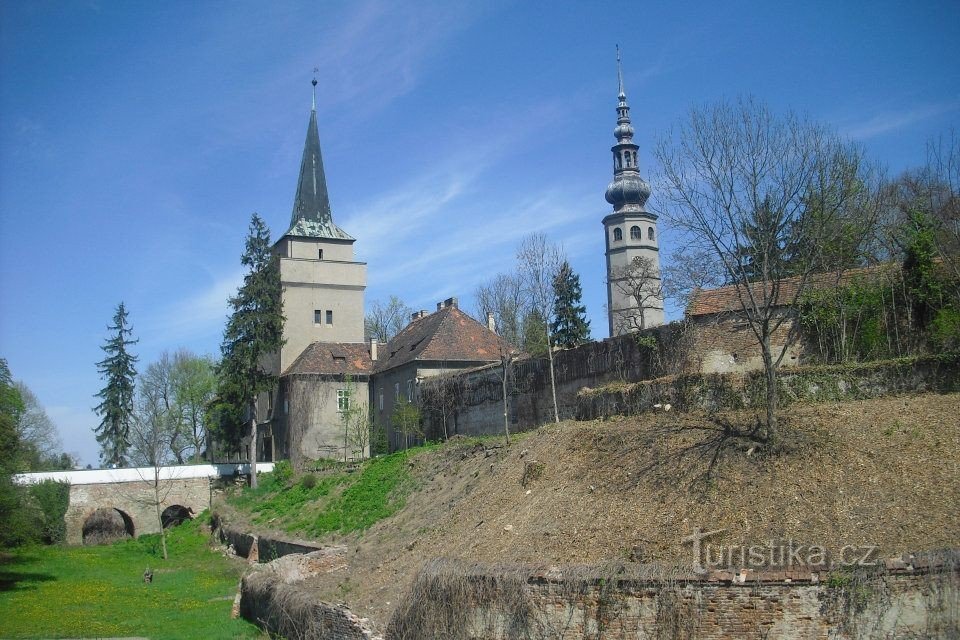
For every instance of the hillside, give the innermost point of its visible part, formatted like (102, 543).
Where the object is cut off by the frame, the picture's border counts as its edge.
(879, 472)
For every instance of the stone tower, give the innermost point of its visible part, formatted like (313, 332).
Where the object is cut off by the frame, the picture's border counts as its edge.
(322, 284)
(634, 294)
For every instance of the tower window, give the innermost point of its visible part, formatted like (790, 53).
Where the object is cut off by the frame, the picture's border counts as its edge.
(635, 233)
(634, 158)
(320, 257)
(650, 233)
(616, 162)
(317, 316)
(617, 234)
(329, 317)
(626, 159)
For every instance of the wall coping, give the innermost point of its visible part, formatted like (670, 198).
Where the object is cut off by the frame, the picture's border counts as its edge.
(140, 474)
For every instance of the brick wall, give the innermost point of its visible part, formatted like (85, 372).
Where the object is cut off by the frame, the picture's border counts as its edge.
(896, 600)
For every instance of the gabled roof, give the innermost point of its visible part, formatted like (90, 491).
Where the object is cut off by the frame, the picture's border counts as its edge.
(333, 358)
(705, 302)
(446, 335)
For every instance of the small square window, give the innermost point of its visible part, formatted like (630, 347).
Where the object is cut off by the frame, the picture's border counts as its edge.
(329, 317)
(317, 316)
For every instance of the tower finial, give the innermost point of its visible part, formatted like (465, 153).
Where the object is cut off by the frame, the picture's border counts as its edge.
(314, 83)
(620, 74)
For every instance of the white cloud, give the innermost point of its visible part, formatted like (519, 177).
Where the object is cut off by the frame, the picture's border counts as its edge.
(894, 120)
(200, 314)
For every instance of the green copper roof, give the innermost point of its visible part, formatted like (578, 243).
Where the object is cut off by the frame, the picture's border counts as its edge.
(311, 205)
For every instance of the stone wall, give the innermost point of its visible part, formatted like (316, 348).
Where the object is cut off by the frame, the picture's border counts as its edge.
(135, 500)
(710, 392)
(473, 400)
(920, 600)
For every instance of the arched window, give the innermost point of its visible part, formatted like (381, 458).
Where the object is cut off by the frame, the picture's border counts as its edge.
(617, 234)
(634, 158)
(650, 233)
(634, 233)
(626, 159)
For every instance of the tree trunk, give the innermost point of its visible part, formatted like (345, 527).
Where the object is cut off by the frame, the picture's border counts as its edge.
(506, 411)
(156, 502)
(770, 370)
(553, 380)
(253, 445)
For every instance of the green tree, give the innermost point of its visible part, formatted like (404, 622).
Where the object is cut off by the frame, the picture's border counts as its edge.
(535, 334)
(11, 407)
(570, 326)
(406, 419)
(116, 406)
(254, 332)
(924, 285)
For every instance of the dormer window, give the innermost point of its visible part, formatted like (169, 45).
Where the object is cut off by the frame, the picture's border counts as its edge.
(617, 234)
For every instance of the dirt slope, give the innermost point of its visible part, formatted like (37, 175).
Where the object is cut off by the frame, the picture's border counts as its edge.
(880, 472)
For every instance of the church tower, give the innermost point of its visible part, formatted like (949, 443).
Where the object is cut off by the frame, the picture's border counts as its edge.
(634, 293)
(322, 283)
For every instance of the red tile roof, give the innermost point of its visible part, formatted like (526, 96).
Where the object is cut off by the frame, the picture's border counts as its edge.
(446, 335)
(333, 358)
(725, 299)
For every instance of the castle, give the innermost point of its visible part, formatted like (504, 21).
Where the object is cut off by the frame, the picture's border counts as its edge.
(326, 366)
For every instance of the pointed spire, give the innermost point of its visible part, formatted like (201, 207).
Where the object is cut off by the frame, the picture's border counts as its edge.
(627, 191)
(311, 205)
(313, 106)
(621, 95)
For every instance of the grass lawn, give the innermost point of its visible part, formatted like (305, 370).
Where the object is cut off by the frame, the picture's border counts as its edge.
(91, 592)
(333, 501)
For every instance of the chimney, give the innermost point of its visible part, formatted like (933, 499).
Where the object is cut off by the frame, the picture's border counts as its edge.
(373, 348)
(450, 302)
(415, 316)
(439, 306)
(491, 323)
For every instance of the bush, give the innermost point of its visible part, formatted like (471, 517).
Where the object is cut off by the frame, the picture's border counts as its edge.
(282, 472)
(308, 481)
(52, 498)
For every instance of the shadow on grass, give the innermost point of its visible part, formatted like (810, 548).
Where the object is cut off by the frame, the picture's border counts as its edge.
(11, 579)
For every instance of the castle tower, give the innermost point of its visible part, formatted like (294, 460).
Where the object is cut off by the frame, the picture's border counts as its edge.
(634, 295)
(322, 284)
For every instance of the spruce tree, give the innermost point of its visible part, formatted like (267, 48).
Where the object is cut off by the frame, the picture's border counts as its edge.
(570, 326)
(253, 332)
(116, 398)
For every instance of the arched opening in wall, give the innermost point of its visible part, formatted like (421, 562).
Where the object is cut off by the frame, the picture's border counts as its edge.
(634, 233)
(107, 525)
(175, 515)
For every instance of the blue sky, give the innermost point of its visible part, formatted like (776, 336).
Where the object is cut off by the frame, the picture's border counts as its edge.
(137, 138)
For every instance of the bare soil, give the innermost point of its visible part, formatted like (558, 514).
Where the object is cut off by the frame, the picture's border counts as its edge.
(882, 472)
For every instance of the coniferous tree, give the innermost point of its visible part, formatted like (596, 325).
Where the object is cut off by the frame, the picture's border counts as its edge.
(116, 406)
(253, 332)
(570, 326)
(535, 334)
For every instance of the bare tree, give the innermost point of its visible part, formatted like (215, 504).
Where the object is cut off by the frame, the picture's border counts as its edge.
(539, 262)
(760, 197)
(640, 282)
(36, 430)
(385, 320)
(505, 298)
(150, 435)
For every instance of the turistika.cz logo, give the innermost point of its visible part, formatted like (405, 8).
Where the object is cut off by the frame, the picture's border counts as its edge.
(774, 554)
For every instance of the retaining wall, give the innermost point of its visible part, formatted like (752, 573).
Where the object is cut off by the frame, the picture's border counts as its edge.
(896, 601)
(711, 392)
